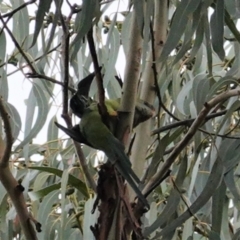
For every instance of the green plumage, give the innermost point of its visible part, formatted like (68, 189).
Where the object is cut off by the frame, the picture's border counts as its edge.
(100, 137)
(93, 132)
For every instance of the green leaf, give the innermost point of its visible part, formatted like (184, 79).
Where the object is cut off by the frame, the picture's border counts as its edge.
(188, 228)
(42, 104)
(52, 134)
(216, 24)
(222, 82)
(40, 180)
(198, 39)
(43, 212)
(229, 154)
(212, 184)
(232, 26)
(214, 236)
(200, 90)
(190, 29)
(160, 150)
(33, 149)
(125, 33)
(89, 218)
(75, 182)
(56, 19)
(184, 97)
(232, 186)
(83, 24)
(64, 182)
(172, 203)
(36, 195)
(234, 70)
(233, 107)
(43, 8)
(114, 45)
(217, 208)
(146, 32)
(2, 47)
(15, 120)
(20, 28)
(183, 11)
(208, 43)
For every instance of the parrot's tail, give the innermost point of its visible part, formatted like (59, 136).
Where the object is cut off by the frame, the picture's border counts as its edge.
(122, 163)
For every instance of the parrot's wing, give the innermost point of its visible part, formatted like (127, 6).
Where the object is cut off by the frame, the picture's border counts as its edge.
(74, 133)
(143, 111)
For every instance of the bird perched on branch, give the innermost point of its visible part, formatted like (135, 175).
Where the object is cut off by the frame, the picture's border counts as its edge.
(98, 135)
(143, 110)
(93, 132)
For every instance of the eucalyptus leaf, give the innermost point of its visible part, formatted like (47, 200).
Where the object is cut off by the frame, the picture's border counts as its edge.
(43, 8)
(83, 24)
(41, 118)
(211, 185)
(77, 183)
(172, 203)
(2, 47)
(216, 25)
(183, 11)
(52, 134)
(15, 120)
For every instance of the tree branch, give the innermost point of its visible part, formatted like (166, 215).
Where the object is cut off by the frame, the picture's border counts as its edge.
(33, 61)
(187, 122)
(142, 140)
(131, 80)
(13, 188)
(101, 93)
(65, 115)
(10, 14)
(17, 45)
(192, 130)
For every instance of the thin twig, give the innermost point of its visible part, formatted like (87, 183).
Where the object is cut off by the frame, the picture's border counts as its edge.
(65, 57)
(42, 76)
(65, 115)
(156, 79)
(101, 94)
(10, 14)
(17, 45)
(187, 122)
(155, 76)
(33, 61)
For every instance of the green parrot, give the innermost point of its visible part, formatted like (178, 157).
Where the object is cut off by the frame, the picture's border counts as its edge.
(74, 133)
(94, 133)
(143, 110)
(98, 135)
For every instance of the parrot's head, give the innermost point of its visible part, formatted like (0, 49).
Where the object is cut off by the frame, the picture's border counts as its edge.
(79, 103)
